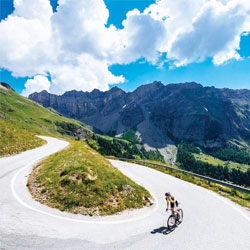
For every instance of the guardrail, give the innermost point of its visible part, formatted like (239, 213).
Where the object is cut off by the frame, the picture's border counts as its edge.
(246, 190)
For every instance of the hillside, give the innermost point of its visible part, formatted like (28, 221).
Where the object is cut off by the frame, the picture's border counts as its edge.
(21, 119)
(15, 140)
(34, 117)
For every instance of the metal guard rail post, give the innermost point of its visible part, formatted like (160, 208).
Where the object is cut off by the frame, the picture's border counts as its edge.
(246, 190)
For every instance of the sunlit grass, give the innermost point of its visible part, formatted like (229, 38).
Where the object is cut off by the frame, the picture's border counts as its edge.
(15, 140)
(215, 161)
(79, 180)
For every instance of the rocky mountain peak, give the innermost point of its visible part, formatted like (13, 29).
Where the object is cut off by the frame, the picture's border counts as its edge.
(191, 85)
(185, 85)
(147, 91)
(73, 93)
(44, 92)
(116, 89)
(158, 83)
(115, 92)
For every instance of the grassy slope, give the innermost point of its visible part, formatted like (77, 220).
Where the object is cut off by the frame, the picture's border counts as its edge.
(21, 119)
(215, 161)
(80, 180)
(15, 140)
(29, 115)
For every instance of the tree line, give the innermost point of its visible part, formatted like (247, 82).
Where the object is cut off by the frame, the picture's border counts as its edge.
(231, 154)
(188, 162)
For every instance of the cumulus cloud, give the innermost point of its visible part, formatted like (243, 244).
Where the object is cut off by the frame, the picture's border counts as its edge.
(88, 73)
(80, 26)
(24, 42)
(36, 84)
(75, 46)
(198, 29)
(140, 38)
(215, 33)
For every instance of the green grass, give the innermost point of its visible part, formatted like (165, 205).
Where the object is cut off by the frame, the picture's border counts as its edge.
(215, 161)
(238, 197)
(131, 136)
(15, 140)
(79, 180)
(30, 115)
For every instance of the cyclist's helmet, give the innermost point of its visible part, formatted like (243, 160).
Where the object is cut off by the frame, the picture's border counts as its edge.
(167, 194)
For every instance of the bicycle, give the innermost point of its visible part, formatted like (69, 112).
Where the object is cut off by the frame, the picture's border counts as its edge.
(175, 219)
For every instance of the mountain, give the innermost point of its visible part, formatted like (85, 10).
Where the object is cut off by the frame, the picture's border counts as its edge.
(161, 114)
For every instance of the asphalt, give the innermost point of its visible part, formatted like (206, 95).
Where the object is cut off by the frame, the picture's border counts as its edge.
(210, 221)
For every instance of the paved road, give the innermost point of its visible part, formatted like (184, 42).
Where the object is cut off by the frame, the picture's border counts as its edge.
(210, 222)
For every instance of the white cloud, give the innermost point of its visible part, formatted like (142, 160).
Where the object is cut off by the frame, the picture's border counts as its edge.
(24, 44)
(30, 9)
(140, 38)
(215, 33)
(198, 29)
(37, 84)
(75, 46)
(89, 73)
(80, 26)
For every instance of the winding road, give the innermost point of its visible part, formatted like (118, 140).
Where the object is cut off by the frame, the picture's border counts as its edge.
(210, 221)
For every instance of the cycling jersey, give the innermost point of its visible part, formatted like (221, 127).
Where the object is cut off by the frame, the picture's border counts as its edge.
(172, 201)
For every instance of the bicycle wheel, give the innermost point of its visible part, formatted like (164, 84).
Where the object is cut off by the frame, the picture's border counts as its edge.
(171, 223)
(180, 216)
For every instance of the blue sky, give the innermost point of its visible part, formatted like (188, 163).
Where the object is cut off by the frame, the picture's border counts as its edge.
(231, 74)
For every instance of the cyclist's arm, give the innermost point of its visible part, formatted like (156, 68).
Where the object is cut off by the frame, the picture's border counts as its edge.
(167, 204)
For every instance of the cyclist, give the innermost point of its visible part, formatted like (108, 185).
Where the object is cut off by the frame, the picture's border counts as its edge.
(172, 201)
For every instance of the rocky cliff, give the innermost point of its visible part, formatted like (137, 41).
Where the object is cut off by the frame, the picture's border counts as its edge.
(161, 115)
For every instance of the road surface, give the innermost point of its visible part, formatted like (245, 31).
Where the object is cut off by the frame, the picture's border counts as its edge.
(210, 221)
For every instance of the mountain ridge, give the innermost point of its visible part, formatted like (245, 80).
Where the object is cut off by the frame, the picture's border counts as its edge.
(207, 116)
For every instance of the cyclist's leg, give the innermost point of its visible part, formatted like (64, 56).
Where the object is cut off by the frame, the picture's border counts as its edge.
(176, 208)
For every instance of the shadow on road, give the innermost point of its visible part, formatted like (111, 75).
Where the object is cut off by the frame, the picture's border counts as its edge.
(161, 230)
